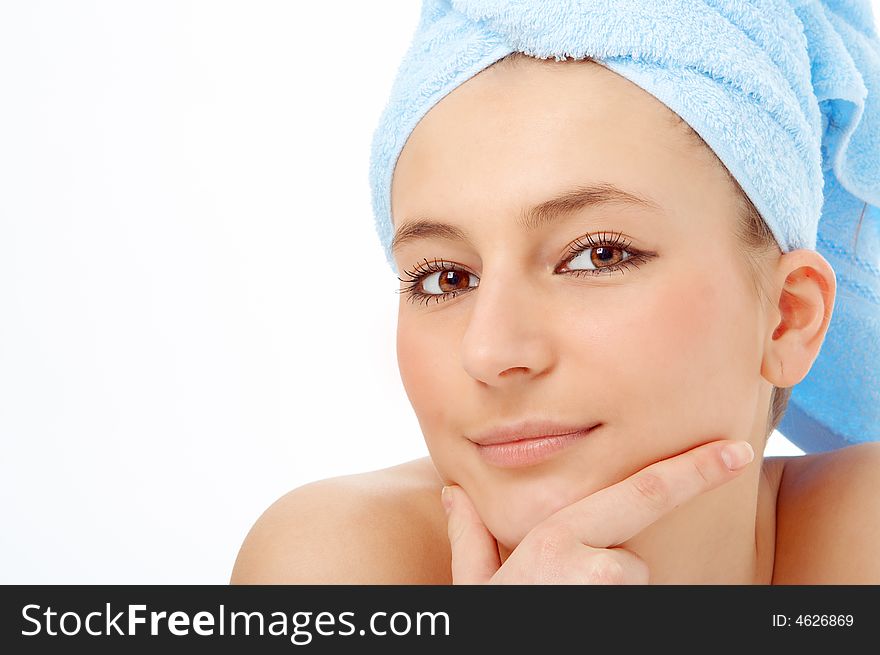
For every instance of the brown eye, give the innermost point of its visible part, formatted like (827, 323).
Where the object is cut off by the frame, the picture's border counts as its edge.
(447, 281)
(606, 256)
(598, 257)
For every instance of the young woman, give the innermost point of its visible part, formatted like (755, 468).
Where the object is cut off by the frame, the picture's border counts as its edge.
(591, 309)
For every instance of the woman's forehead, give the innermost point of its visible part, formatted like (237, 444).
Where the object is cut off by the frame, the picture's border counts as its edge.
(521, 132)
(573, 97)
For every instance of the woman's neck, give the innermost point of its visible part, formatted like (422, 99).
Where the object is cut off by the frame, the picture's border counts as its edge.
(725, 536)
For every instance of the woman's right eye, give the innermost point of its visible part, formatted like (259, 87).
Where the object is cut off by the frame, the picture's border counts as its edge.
(448, 281)
(437, 280)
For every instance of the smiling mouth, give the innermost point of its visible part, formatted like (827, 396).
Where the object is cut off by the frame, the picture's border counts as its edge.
(531, 450)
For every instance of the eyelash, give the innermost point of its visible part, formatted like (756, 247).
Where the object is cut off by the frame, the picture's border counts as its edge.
(616, 241)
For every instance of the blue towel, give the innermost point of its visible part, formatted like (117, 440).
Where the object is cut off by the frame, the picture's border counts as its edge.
(787, 94)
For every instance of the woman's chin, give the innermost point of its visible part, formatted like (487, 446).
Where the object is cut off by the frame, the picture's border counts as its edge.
(511, 527)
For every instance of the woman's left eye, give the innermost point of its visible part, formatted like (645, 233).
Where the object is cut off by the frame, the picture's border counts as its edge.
(607, 254)
(595, 258)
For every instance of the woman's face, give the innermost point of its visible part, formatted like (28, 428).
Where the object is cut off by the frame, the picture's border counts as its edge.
(665, 352)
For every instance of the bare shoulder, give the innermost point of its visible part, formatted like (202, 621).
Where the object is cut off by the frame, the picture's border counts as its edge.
(828, 518)
(377, 527)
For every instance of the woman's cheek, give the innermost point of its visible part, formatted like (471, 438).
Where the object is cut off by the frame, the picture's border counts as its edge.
(422, 370)
(696, 352)
(423, 374)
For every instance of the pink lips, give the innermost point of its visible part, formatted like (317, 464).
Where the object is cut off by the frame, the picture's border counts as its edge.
(519, 451)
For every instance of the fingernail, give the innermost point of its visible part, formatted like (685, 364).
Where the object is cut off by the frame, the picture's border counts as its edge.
(446, 499)
(737, 455)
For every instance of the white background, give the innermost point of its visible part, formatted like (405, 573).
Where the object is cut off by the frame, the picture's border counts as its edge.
(195, 312)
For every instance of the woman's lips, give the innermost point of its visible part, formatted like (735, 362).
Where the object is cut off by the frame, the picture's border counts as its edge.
(526, 452)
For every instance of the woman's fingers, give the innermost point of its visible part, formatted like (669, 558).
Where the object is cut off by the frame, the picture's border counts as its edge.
(474, 550)
(609, 566)
(553, 556)
(615, 514)
(575, 545)
(635, 569)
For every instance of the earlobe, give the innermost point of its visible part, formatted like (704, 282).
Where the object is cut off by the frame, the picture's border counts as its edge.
(805, 286)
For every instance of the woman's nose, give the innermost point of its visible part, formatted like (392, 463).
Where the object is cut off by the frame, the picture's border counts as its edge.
(509, 334)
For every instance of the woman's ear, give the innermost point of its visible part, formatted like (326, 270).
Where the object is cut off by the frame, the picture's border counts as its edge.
(803, 288)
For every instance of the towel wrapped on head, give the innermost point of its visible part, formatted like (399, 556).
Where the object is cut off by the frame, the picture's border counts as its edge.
(785, 92)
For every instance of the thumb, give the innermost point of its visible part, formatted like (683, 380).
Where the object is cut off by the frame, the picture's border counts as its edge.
(474, 550)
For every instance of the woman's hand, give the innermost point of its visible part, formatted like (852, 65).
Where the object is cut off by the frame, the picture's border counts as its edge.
(575, 544)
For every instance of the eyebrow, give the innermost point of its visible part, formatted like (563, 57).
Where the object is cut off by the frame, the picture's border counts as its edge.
(536, 217)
